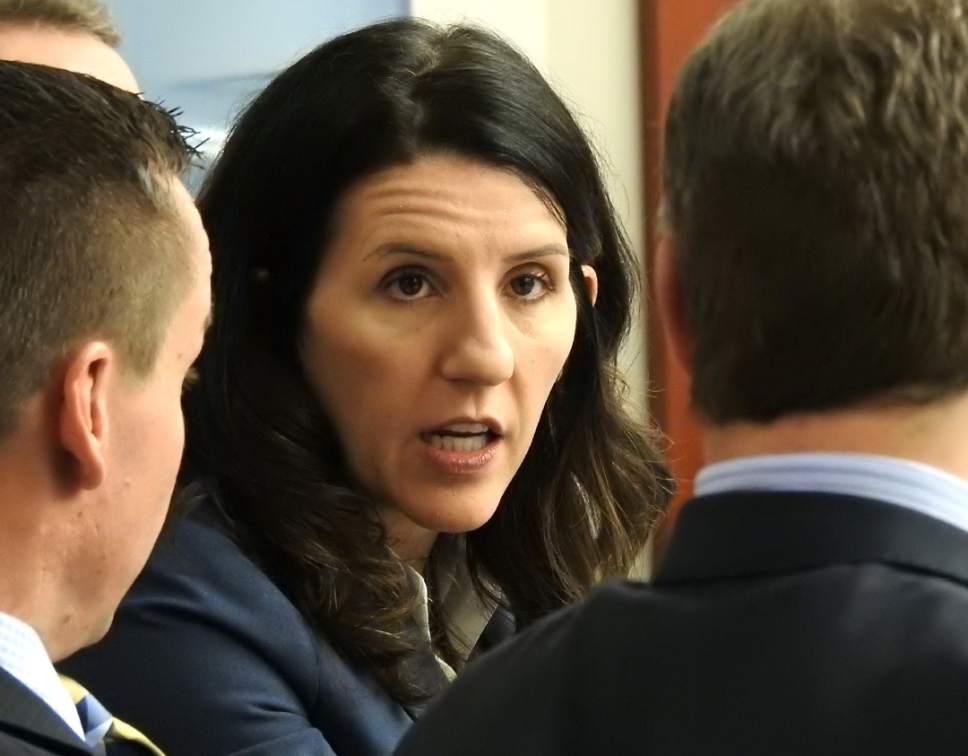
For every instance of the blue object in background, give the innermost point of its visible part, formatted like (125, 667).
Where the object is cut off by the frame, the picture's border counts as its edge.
(209, 57)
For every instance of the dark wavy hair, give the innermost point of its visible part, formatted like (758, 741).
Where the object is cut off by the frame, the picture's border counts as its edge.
(583, 502)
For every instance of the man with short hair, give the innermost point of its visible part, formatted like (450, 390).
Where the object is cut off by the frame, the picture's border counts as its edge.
(77, 35)
(814, 596)
(104, 298)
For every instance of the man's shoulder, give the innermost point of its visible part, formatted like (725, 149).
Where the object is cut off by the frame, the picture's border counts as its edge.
(637, 666)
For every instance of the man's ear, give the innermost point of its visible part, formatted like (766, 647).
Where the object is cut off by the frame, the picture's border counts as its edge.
(591, 282)
(83, 413)
(672, 312)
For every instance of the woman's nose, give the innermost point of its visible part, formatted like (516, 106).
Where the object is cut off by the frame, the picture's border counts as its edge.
(478, 348)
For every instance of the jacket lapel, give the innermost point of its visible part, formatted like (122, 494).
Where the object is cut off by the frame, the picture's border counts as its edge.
(21, 712)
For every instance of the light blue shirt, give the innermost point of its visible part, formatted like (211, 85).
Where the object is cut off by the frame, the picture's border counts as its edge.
(23, 655)
(902, 482)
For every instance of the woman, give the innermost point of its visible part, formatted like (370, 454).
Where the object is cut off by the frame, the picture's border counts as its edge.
(409, 391)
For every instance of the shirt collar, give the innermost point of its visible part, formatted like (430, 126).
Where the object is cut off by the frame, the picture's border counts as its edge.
(23, 655)
(464, 612)
(904, 483)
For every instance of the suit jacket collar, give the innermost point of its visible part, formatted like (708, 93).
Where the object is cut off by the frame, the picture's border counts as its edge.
(24, 713)
(742, 534)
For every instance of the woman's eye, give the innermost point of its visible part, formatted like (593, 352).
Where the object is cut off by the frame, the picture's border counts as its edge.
(409, 285)
(529, 286)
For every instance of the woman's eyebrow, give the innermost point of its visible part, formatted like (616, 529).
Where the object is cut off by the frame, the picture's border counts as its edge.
(400, 248)
(532, 254)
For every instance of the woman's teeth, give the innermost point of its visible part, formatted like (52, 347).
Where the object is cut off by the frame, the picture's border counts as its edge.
(457, 443)
(464, 429)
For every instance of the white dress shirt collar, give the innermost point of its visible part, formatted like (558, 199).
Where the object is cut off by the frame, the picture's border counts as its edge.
(901, 482)
(23, 655)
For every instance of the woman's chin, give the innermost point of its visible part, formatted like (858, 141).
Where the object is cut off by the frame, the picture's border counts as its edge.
(447, 518)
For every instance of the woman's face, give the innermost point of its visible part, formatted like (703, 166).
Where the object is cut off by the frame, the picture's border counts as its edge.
(441, 317)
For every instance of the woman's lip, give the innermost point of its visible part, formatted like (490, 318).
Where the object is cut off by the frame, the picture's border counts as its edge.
(458, 462)
(489, 422)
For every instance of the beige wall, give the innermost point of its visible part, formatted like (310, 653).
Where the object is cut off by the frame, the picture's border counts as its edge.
(588, 49)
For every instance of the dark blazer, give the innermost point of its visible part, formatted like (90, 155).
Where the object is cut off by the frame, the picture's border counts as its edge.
(778, 624)
(210, 656)
(28, 726)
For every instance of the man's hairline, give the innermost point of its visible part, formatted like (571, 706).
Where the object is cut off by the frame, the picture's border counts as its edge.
(33, 23)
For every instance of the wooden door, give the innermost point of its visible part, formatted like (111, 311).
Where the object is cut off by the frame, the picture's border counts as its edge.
(669, 30)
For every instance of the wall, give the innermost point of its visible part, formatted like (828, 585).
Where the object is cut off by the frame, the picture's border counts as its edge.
(209, 57)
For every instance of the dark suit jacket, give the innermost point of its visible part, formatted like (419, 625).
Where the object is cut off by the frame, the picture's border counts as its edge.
(778, 624)
(209, 656)
(28, 726)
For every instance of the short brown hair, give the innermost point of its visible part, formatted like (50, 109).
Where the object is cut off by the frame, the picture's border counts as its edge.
(92, 246)
(816, 176)
(89, 16)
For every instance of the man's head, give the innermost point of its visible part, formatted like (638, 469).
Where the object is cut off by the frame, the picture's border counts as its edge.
(815, 177)
(76, 35)
(104, 294)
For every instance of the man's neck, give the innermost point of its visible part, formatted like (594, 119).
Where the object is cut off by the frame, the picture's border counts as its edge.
(34, 575)
(935, 434)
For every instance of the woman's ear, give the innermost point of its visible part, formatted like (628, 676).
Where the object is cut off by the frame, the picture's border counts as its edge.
(83, 411)
(672, 313)
(591, 282)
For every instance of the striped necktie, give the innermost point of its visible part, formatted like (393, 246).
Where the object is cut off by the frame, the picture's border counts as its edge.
(101, 730)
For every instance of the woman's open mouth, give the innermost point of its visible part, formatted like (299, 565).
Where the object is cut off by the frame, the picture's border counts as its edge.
(461, 447)
(460, 437)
